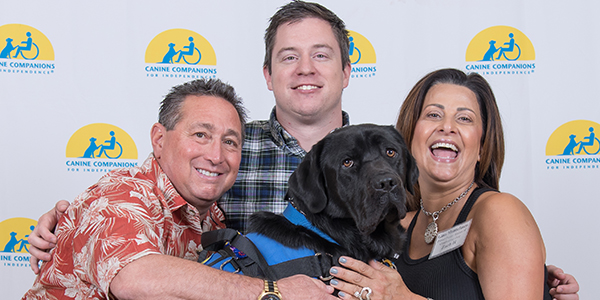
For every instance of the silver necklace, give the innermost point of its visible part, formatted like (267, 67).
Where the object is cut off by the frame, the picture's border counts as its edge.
(432, 229)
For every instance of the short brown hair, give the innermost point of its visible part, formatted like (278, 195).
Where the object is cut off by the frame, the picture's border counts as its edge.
(298, 10)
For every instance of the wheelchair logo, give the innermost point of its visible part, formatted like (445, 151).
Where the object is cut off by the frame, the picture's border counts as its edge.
(510, 47)
(24, 42)
(361, 51)
(190, 51)
(574, 138)
(500, 43)
(114, 148)
(101, 141)
(180, 46)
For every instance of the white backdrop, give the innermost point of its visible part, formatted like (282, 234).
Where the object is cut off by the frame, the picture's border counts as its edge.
(98, 77)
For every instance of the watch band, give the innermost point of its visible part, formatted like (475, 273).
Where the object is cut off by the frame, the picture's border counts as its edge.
(270, 292)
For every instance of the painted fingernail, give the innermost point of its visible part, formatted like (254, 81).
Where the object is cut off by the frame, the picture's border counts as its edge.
(333, 271)
(333, 282)
(342, 260)
(342, 294)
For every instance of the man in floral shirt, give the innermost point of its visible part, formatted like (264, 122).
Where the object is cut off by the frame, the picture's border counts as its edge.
(125, 236)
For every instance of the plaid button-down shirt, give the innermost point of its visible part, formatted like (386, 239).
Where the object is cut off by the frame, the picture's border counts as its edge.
(269, 157)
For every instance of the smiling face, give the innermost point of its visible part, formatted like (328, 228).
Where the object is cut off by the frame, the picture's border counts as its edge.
(446, 142)
(306, 77)
(202, 153)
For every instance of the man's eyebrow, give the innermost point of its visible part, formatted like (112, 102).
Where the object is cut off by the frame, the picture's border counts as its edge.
(316, 46)
(319, 46)
(209, 126)
(231, 132)
(198, 125)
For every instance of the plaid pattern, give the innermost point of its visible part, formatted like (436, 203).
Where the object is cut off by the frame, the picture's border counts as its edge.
(269, 157)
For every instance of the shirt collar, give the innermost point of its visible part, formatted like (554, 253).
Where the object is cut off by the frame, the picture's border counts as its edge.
(283, 138)
(165, 186)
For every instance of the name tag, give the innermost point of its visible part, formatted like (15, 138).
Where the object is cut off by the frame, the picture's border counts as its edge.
(450, 239)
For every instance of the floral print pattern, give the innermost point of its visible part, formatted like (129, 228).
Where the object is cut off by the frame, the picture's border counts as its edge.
(128, 214)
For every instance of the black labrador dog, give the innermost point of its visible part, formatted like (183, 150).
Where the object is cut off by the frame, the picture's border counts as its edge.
(352, 188)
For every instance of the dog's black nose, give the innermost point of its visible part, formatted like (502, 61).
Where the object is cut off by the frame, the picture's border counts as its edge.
(385, 183)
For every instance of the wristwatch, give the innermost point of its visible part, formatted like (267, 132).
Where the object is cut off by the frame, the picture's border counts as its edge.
(271, 292)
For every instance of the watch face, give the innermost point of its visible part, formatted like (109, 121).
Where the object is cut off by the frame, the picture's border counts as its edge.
(270, 297)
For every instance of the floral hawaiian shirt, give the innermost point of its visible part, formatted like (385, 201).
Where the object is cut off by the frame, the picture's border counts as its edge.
(128, 214)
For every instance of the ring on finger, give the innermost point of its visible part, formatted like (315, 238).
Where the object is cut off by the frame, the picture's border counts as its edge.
(358, 295)
(368, 292)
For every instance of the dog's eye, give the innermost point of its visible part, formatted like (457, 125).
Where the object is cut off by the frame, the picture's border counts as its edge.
(391, 152)
(348, 163)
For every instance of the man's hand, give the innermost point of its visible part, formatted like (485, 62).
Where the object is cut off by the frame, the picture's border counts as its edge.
(562, 286)
(42, 238)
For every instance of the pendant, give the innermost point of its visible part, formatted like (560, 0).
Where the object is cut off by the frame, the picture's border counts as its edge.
(431, 232)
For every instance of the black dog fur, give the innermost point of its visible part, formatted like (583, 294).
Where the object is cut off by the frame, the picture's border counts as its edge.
(352, 186)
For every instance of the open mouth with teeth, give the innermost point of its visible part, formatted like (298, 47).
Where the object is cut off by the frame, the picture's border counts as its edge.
(306, 87)
(444, 150)
(207, 173)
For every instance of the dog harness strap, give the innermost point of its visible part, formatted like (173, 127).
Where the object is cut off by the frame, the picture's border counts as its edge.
(297, 218)
(241, 242)
(211, 237)
(217, 239)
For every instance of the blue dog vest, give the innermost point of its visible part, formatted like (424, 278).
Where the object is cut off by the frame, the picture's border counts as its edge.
(274, 253)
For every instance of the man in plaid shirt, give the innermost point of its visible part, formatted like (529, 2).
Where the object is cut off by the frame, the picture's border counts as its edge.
(269, 156)
(307, 66)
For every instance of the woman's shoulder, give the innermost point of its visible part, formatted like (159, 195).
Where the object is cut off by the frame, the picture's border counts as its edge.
(496, 211)
(494, 202)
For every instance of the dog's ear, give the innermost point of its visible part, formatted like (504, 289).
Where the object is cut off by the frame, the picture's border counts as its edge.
(411, 172)
(307, 183)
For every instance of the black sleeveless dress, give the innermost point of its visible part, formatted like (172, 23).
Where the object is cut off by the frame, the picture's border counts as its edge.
(445, 277)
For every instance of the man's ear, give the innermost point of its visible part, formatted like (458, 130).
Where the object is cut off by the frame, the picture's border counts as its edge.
(157, 134)
(347, 71)
(268, 78)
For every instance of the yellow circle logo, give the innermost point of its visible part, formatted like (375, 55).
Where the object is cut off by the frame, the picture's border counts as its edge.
(579, 137)
(100, 140)
(500, 43)
(361, 51)
(180, 46)
(14, 233)
(24, 42)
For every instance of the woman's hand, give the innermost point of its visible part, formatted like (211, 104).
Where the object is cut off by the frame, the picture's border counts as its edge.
(381, 281)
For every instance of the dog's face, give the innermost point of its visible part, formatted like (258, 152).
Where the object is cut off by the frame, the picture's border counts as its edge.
(357, 172)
